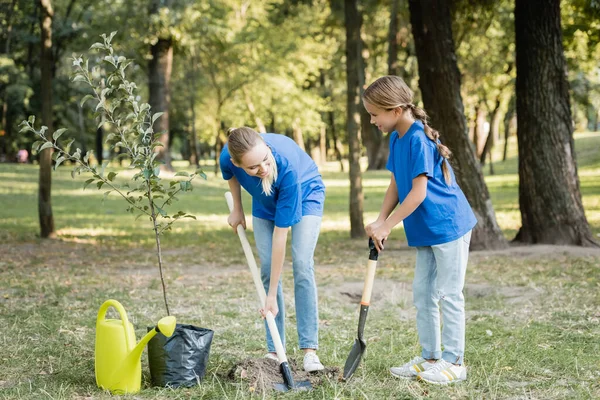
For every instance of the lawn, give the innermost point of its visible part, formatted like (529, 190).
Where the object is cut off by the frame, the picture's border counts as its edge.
(532, 311)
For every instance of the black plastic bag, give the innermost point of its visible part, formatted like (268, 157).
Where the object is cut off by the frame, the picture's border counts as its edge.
(181, 359)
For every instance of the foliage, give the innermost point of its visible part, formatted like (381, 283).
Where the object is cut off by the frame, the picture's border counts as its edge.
(132, 123)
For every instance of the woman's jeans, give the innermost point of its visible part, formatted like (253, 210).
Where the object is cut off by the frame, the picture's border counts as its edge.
(438, 284)
(304, 240)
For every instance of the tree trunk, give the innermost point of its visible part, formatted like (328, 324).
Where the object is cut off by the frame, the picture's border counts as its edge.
(549, 196)
(260, 126)
(393, 68)
(336, 143)
(45, 181)
(297, 134)
(354, 66)
(159, 72)
(439, 80)
(194, 157)
(490, 141)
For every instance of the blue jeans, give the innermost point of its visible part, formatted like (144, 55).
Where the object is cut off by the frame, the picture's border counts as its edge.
(304, 240)
(438, 284)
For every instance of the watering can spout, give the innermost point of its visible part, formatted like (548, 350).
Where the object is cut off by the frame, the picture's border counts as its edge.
(117, 357)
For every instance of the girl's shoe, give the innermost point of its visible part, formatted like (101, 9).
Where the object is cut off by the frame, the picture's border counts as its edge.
(443, 373)
(411, 368)
(312, 362)
(271, 356)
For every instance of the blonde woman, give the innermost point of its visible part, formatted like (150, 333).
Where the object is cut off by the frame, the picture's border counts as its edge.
(287, 192)
(437, 220)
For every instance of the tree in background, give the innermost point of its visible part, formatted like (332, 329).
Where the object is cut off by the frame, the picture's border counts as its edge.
(549, 196)
(354, 69)
(45, 182)
(439, 80)
(159, 73)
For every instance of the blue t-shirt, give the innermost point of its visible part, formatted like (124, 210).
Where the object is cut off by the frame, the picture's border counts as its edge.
(298, 190)
(445, 214)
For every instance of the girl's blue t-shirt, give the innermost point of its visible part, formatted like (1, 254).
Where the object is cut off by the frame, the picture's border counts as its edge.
(298, 190)
(445, 214)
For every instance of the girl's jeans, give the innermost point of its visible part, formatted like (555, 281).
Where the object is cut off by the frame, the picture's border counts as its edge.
(438, 284)
(304, 240)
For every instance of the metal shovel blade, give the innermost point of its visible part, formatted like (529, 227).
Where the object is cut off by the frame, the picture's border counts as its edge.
(288, 379)
(354, 357)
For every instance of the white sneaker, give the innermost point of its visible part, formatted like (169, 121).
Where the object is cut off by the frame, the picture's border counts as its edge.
(271, 356)
(312, 362)
(411, 368)
(443, 373)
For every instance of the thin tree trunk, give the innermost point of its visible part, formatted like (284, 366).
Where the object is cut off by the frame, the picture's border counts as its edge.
(47, 62)
(549, 195)
(336, 144)
(393, 68)
(81, 129)
(439, 80)
(260, 126)
(508, 118)
(4, 122)
(490, 141)
(297, 134)
(354, 71)
(194, 157)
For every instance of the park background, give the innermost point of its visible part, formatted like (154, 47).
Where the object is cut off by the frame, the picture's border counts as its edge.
(513, 87)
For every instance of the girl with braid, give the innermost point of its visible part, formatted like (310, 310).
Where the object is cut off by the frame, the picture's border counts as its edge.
(437, 221)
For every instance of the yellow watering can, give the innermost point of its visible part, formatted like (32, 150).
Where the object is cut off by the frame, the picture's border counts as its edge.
(117, 357)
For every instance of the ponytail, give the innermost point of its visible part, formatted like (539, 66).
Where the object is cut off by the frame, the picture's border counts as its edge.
(434, 136)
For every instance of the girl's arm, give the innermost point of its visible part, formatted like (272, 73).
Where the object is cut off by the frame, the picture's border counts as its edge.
(236, 216)
(414, 198)
(390, 201)
(277, 257)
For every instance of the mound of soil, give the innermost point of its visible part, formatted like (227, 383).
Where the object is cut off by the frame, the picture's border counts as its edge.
(261, 374)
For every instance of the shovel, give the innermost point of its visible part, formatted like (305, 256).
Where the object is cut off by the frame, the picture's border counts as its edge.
(360, 345)
(260, 289)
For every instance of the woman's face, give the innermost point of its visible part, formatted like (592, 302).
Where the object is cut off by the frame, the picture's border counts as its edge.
(256, 161)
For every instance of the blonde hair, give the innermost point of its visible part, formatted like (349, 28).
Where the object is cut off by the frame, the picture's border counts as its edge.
(240, 141)
(391, 92)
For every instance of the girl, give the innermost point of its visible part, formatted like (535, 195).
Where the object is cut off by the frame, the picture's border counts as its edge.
(287, 191)
(437, 220)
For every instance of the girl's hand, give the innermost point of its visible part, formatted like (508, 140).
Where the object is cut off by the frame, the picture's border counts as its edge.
(379, 234)
(236, 218)
(373, 225)
(270, 305)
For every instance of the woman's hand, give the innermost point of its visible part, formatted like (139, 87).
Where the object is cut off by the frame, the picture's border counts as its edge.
(379, 234)
(236, 218)
(270, 305)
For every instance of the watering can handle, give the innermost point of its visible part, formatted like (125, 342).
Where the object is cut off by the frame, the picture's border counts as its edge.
(117, 306)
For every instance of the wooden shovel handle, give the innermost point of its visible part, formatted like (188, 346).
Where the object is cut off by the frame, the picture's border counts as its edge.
(260, 289)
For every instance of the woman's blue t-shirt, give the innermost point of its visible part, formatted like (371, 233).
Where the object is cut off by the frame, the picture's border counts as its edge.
(298, 190)
(445, 214)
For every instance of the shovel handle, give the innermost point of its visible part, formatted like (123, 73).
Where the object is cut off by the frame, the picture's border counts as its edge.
(370, 274)
(260, 289)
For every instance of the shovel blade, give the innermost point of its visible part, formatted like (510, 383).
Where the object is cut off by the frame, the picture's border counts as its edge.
(354, 357)
(289, 382)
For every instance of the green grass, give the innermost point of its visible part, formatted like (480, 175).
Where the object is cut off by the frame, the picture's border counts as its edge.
(532, 311)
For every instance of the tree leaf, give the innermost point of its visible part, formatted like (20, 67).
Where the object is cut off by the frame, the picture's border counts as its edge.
(111, 176)
(86, 184)
(58, 132)
(85, 98)
(99, 184)
(182, 173)
(45, 146)
(156, 116)
(59, 161)
(36, 145)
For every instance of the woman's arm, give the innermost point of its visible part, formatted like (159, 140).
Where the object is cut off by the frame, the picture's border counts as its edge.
(390, 201)
(236, 216)
(277, 258)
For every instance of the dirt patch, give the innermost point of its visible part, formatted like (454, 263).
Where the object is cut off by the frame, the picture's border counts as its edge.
(262, 374)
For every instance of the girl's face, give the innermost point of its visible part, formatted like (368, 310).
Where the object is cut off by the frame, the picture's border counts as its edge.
(385, 120)
(256, 161)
